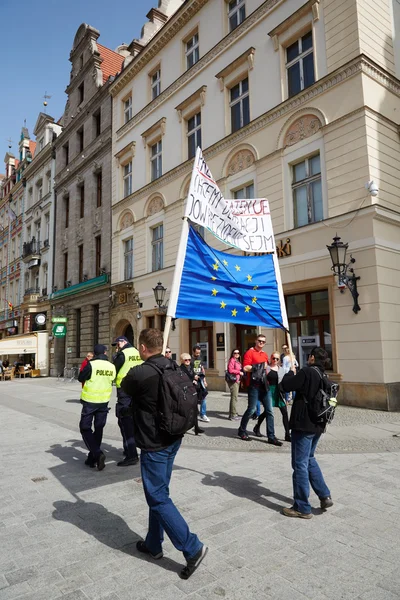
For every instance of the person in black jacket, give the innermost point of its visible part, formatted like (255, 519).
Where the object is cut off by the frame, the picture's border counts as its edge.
(158, 451)
(305, 437)
(187, 368)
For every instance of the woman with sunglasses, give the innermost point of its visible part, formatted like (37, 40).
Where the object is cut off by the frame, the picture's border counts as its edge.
(277, 400)
(234, 368)
(187, 368)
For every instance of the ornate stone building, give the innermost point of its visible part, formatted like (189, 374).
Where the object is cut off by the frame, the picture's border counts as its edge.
(294, 101)
(81, 290)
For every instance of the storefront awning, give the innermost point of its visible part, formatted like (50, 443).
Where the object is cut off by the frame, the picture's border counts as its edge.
(19, 344)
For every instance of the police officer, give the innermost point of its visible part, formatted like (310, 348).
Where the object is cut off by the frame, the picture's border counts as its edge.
(97, 378)
(126, 358)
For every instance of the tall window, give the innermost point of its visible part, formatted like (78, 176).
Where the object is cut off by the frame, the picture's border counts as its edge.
(240, 105)
(300, 64)
(307, 191)
(236, 13)
(244, 192)
(80, 139)
(78, 332)
(127, 179)
(97, 123)
(99, 189)
(156, 160)
(156, 84)
(157, 250)
(96, 315)
(192, 50)
(80, 263)
(82, 201)
(128, 109)
(66, 154)
(47, 227)
(128, 259)
(98, 255)
(65, 269)
(81, 93)
(66, 206)
(194, 134)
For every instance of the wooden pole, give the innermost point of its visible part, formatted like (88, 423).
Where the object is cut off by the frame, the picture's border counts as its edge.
(167, 328)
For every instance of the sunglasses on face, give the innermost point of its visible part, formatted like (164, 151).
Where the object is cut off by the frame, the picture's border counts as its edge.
(168, 352)
(261, 341)
(274, 357)
(186, 360)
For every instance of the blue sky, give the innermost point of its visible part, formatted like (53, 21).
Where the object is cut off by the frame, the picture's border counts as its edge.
(35, 42)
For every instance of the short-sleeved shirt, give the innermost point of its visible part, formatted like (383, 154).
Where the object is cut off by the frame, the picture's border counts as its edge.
(253, 357)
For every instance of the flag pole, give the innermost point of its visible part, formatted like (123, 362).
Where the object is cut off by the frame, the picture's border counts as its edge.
(283, 306)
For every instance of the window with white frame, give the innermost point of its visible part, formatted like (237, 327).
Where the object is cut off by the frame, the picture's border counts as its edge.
(157, 248)
(156, 160)
(128, 259)
(300, 64)
(236, 13)
(246, 192)
(307, 191)
(192, 50)
(47, 227)
(155, 84)
(240, 104)
(194, 134)
(127, 109)
(128, 179)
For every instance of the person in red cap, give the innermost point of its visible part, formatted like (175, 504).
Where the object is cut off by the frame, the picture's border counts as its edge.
(127, 357)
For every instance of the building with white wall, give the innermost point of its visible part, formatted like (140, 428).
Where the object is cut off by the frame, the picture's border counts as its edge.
(296, 102)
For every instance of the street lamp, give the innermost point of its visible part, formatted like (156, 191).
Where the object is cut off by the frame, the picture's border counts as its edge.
(159, 295)
(341, 269)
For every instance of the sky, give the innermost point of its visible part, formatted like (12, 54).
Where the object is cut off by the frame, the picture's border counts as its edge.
(36, 38)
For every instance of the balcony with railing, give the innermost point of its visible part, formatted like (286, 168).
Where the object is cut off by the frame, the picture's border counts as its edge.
(31, 295)
(31, 252)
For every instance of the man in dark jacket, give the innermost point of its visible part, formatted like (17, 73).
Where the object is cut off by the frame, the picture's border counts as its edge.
(305, 437)
(158, 451)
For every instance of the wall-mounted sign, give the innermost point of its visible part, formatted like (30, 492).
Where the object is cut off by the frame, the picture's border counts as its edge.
(220, 341)
(59, 330)
(284, 248)
(40, 319)
(59, 319)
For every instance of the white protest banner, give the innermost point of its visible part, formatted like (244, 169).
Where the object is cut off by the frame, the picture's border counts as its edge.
(244, 224)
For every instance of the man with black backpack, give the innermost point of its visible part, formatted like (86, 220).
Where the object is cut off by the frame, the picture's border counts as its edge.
(164, 406)
(307, 423)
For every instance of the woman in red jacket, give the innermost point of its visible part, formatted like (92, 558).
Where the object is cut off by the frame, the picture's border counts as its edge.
(235, 368)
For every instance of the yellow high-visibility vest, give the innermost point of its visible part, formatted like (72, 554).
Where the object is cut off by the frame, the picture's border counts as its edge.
(132, 359)
(98, 388)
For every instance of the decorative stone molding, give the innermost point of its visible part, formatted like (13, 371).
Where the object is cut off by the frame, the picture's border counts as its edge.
(303, 10)
(301, 129)
(79, 232)
(245, 60)
(197, 98)
(240, 161)
(126, 220)
(155, 131)
(155, 205)
(97, 221)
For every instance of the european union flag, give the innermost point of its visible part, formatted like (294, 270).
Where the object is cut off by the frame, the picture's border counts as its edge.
(217, 286)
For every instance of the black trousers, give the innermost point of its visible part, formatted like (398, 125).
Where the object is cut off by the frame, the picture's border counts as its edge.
(97, 412)
(125, 423)
(285, 419)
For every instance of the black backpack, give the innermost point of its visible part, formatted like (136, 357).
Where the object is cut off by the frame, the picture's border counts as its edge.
(321, 408)
(177, 399)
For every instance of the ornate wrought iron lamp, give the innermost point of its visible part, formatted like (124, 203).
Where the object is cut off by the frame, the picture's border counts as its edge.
(343, 270)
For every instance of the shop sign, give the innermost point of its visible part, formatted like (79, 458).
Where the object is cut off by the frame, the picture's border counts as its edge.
(284, 248)
(59, 330)
(220, 341)
(69, 350)
(40, 319)
(12, 323)
(59, 319)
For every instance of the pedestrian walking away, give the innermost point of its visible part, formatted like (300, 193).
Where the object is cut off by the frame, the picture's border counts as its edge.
(255, 363)
(97, 378)
(235, 369)
(306, 433)
(158, 451)
(126, 358)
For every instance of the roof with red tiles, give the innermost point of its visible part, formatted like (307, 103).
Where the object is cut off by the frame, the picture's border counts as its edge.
(32, 147)
(112, 62)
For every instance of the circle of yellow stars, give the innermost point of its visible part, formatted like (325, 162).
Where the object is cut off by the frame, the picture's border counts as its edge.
(223, 305)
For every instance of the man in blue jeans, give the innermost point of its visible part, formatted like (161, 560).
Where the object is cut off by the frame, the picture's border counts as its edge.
(158, 451)
(305, 437)
(254, 364)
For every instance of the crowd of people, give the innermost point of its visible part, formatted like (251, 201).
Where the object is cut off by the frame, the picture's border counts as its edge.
(137, 372)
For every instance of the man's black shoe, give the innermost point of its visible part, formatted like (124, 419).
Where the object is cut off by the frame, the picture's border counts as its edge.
(326, 502)
(128, 462)
(275, 442)
(257, 432)
(288, 437)
(101, 462)
(193, 563)
(90, 462)
(243, 436)
(141, 546)
(199, 430)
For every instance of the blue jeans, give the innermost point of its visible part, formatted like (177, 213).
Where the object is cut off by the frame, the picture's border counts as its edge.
(306, 470)
(156, 469)
(259, 393)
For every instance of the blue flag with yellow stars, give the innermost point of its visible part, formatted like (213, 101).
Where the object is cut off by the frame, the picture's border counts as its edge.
(217, 286)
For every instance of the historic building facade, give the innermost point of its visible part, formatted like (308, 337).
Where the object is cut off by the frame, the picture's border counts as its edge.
(81, 291)
(296, 102)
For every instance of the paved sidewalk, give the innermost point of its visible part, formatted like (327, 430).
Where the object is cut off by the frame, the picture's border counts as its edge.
(69, 532)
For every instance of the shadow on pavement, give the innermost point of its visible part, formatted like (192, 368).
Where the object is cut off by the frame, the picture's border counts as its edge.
(108, 528)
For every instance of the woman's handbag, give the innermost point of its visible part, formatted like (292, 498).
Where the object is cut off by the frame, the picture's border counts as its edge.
(230, 377)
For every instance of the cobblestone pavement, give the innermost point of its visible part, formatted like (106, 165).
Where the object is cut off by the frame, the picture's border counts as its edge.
(69, 532)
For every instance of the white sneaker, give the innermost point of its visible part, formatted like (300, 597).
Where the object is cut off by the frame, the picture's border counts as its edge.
(205, 418)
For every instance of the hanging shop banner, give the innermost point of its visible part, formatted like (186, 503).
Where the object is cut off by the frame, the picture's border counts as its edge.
(242, 223)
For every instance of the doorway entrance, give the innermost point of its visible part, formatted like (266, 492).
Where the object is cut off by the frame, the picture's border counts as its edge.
(128, 333)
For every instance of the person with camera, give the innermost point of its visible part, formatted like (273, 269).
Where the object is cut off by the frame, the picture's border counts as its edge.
(255, 363)
(233, 374)
(306, 432)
